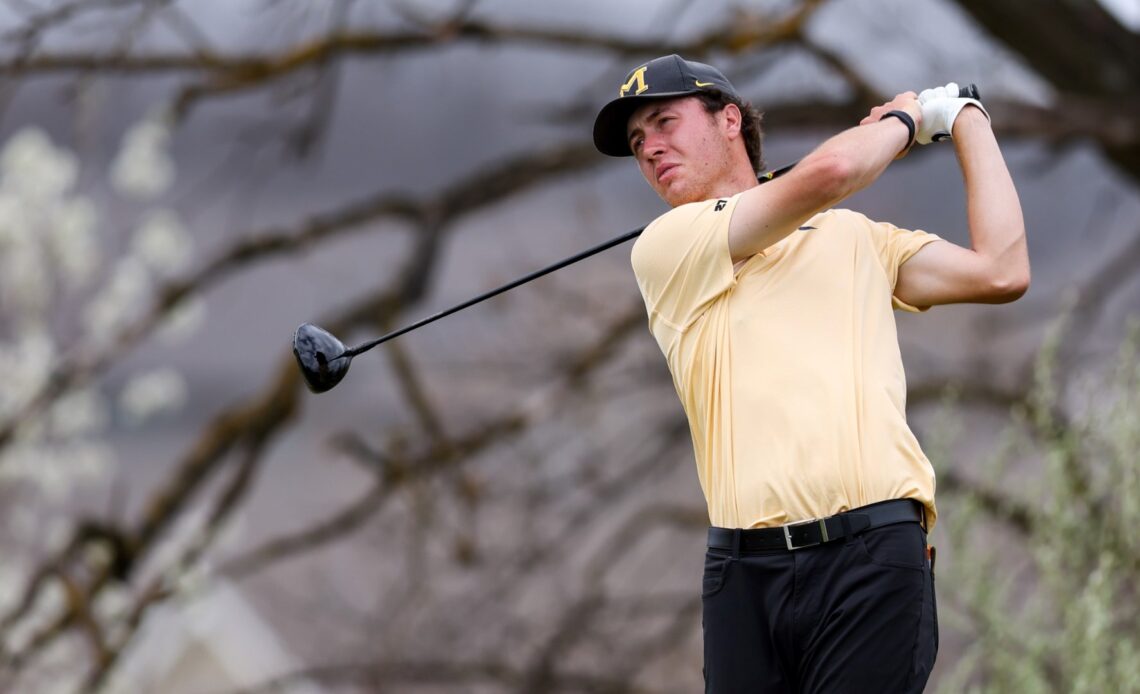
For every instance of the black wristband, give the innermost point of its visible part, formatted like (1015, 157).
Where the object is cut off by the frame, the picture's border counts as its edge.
(907, 121)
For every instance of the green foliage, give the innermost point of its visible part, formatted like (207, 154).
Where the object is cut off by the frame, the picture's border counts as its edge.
(1054, 606)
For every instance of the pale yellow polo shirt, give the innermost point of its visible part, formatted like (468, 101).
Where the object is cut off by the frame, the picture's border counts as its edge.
(788, 367)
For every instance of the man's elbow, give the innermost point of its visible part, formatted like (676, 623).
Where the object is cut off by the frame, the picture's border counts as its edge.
(1008, 287)
(833, 175)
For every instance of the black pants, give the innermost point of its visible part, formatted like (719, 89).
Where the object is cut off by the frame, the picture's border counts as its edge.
(855, 615)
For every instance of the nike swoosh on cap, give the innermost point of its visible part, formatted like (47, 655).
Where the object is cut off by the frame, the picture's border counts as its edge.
(702, 84)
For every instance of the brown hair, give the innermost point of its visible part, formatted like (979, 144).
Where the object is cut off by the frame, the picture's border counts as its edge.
(751, 128)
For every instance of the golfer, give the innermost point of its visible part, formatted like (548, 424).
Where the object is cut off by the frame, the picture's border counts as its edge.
(773, 309)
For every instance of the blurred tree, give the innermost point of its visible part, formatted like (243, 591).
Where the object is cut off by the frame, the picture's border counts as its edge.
(517, 528)
(1097, 83)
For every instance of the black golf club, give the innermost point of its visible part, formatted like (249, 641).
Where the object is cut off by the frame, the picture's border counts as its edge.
(324, 360)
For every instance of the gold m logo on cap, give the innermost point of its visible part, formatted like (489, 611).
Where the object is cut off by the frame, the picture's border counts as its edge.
(638, 78)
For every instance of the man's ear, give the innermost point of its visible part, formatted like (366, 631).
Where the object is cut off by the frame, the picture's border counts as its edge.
(732, 119)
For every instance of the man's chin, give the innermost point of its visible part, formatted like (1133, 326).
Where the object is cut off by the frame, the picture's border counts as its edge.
(676, 198)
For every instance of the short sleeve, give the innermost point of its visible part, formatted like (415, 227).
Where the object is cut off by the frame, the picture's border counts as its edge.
(895, 246)
(682, 262)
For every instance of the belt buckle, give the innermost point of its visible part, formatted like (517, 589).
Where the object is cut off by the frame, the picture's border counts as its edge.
(788, 533)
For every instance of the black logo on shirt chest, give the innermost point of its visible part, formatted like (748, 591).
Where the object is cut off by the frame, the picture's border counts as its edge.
(720, 205)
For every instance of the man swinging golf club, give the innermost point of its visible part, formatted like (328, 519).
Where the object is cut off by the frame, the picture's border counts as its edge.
(774, 311)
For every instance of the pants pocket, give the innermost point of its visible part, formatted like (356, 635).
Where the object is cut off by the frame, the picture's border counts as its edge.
(716, 570)
(901, 546)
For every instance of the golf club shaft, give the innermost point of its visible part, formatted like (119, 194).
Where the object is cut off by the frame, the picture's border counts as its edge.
(495, 292)
(968, 91)
(594, 250)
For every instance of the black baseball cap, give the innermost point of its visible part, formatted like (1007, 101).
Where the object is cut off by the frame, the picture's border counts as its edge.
(660, 78)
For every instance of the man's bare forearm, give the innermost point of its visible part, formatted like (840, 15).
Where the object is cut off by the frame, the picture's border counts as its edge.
(841, 166)
(997, 228)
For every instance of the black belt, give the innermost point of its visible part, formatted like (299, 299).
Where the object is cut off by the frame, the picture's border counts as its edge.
(819, 530)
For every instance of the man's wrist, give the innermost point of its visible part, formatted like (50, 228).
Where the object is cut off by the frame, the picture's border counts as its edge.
(907, 120)
(970, 117)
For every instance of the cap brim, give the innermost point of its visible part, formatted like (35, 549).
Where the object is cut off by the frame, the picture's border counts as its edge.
(611, 126)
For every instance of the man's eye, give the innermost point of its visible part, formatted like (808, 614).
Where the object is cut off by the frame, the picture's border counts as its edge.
(636, 144)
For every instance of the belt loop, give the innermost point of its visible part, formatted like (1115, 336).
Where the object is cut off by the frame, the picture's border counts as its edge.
(845, 521)
(735, 544)
(922, 508)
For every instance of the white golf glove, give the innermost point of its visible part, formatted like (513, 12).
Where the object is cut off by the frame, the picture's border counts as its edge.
(940, 106)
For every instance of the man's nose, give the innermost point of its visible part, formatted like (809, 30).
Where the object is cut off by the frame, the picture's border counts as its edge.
(654, 145)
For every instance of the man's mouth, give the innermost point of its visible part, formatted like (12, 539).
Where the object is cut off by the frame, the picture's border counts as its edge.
(663, 171)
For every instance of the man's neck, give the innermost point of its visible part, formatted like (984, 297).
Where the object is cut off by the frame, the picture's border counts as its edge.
(742, 179)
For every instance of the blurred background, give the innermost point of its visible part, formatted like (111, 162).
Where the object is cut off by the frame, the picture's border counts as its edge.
(506, 501)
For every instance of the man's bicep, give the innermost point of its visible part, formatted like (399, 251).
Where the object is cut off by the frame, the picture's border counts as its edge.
(943, 273)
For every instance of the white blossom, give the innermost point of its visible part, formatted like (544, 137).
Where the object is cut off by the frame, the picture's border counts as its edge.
(55, 467)
(190, 583)
(58, 658)
(151, 393)
(49, 603)
(162, 243)
(14, 221)
(42, 227)
(32, 166)
(72, 242)
(52, 600)
(26, 288)
(30, 360)
(98, 555)
(182, 320)
(143, 167)
(114, 601)
(57, 452)
(119, 301)
(63, 465)
(78, 413)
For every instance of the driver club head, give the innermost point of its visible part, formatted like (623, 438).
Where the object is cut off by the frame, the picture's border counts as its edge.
(318, 354)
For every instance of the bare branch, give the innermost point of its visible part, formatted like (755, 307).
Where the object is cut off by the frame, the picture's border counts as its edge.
(1107, 69)
(484, 188)
(392, 471)
(1015, 513)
